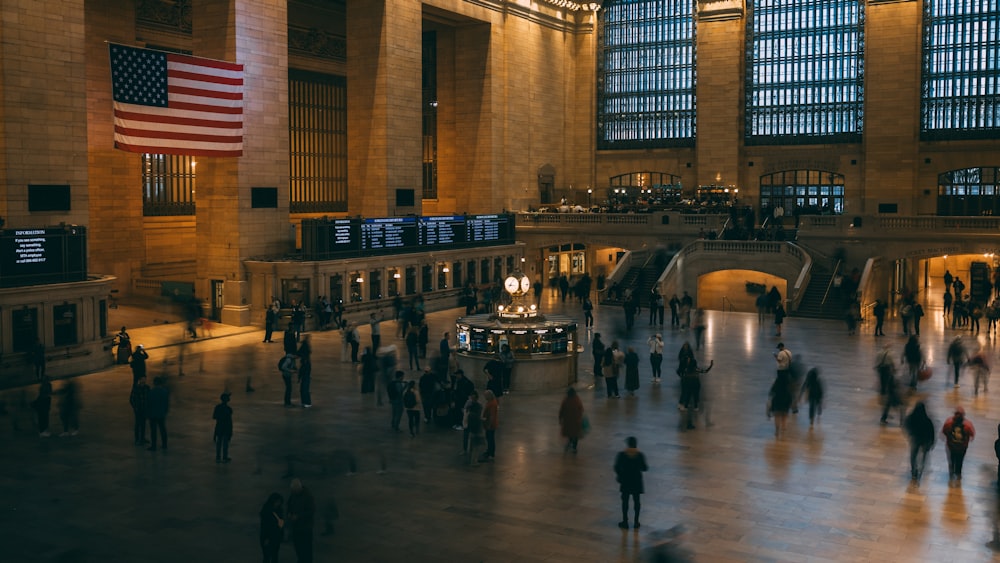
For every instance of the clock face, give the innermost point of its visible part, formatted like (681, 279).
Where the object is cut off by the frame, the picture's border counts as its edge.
(525, 284)
(511, 285)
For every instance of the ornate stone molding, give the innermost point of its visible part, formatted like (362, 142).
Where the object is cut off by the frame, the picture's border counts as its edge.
(171, 15)
(317, 43)
(717, 10)
(577, 18)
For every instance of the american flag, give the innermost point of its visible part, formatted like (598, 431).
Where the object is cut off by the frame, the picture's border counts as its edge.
(167, 103)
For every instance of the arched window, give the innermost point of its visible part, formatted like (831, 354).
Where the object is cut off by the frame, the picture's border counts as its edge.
(960, 96)
(802, 192)
(969, 191)
(646, 74)
(805, 79)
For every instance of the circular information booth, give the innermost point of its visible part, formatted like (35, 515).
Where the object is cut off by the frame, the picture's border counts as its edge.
(544, 347)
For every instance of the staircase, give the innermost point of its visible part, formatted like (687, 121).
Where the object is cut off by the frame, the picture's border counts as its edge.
(641, 279)
(812, 305)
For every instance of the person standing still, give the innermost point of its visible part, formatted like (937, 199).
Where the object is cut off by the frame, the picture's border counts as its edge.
(223, 416)
(287, 366)
(629, 466)
(301, 515)
(375, 321)
(42, 405)
(879, 312)
(159, 404)
(394, 390)
(507, 358)
(655, 343)
(491, 421)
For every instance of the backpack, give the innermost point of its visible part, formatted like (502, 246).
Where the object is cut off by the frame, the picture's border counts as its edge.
(956, 435)
(409, 399)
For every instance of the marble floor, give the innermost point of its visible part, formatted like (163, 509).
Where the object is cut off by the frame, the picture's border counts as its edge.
(839, 491)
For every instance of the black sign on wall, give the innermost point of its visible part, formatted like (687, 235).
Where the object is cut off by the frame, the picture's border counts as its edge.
(41, 256)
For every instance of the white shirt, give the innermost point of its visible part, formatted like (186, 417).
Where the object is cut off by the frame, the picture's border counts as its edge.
(784, 358)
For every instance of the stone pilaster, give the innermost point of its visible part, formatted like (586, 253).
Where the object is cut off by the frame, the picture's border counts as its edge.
(383, 97)
(719, 92)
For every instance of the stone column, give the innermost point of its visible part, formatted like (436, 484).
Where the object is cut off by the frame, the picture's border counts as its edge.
(383, 96)
(719, 92)
(253, 33)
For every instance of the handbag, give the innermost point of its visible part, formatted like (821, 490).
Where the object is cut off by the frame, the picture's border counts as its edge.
(924, 373)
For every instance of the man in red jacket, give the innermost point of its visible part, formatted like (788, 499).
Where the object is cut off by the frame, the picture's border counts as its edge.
(958, 432)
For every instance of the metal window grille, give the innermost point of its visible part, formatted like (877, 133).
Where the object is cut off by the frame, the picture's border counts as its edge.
(960, 86)
(168, 184)
(804, 71)
(969, 191)
(429, 117)
(317, 137)
(802, 192)
(646, 74)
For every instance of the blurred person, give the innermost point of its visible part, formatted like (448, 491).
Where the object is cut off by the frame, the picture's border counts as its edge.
(305, 372)
(395, 390)
(301, 517)
(42, 405)
(655, 344)
(780, 402)
(138, 363)
(698, 324)
(913, 357)
(286, 365)
(779, 318)
(369, 371)
(272, 527)
(980, 372)
(812, 388)
(631, 362)
(920, 430)
(411, 402)
(571, 419)
(491, 421)
(139, 400)
(157, 407)
(957, 356)
(69, 408)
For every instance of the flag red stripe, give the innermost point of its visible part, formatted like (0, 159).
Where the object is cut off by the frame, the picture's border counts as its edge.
(171, 73)
(178, 120)
(199, 61)
(169, 150)
(171, 89)
(179, 136)
(205, 108)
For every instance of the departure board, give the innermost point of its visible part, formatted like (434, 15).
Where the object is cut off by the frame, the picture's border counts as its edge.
(446, 230)
(389, 234)
(487, 229)
(344, 236)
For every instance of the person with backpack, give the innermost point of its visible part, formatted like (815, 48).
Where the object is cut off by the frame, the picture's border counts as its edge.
(411, 402)
(958, 432)
(394, 389)
(286, 365)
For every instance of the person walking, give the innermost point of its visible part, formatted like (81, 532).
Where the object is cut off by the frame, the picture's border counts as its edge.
(42, 405)
(783, 360)
(272, 527)
(472, 426)
(698, 324)
(812, 388)
(69, 409)
(878, 310)
(411, 402)
(980, 372)
(491, 421)
(375, 322)
(920, 430)
(412, 347)
(655, 344)
(780, 402)
(353, 340)
(631, 371)
(223, 417)
(597, 349)
(158, 405)
(957, 356)
(571, 419)
(913, 357)
(395, 390)
(588, 312)
(507, 358)
(305, 372)
(139, 400)
(287, 367)
(629, 466)
(301, 516)
(779, 318)
(138, 363)
(958, 432)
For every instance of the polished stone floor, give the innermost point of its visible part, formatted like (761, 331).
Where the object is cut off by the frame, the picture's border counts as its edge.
(837, 492)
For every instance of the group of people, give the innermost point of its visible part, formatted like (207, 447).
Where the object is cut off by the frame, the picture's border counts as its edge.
(791, 384)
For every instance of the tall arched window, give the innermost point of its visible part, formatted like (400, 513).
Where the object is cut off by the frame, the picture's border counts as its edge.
(802, 192)
(646, 74)
(969, 191)
(960, 96)
(805, 71)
